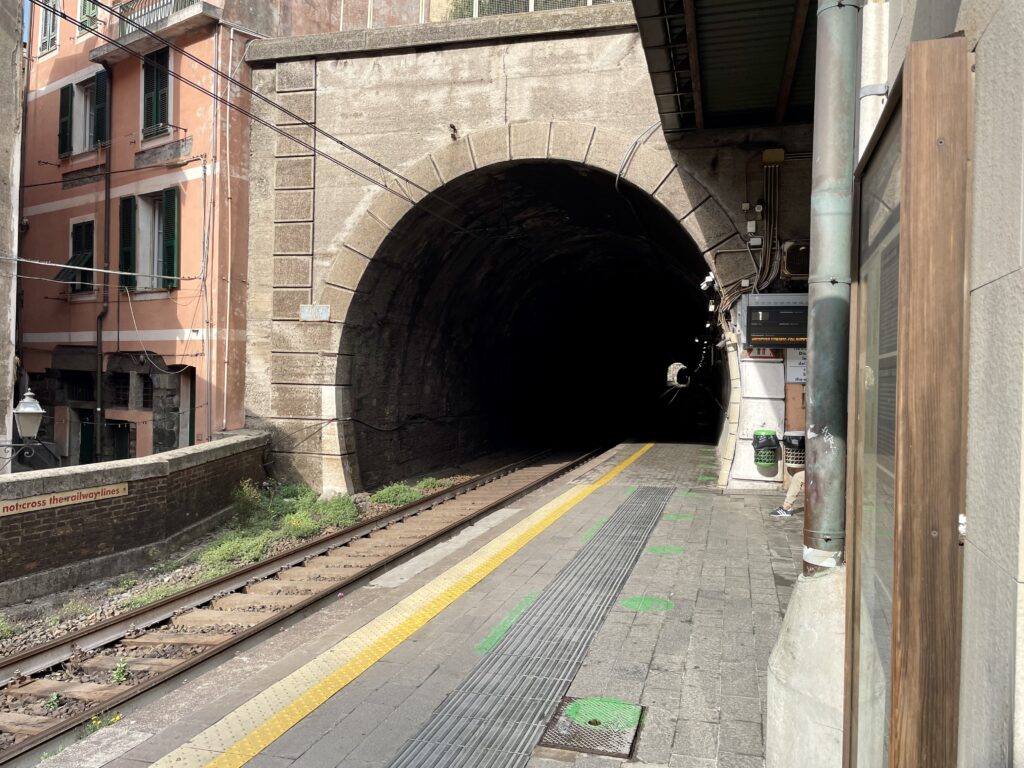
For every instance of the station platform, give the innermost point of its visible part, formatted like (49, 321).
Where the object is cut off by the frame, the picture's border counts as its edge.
(631, 596)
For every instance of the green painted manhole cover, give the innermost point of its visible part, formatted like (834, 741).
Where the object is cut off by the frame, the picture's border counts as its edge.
(597, 725)
(664, 549)
(646, 604)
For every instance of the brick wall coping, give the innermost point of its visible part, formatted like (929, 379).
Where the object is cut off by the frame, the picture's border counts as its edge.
(35, 483)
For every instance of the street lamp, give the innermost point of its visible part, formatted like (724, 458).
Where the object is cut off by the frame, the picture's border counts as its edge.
(28, 415)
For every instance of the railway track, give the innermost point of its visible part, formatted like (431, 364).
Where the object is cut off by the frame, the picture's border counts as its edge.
(51, 689)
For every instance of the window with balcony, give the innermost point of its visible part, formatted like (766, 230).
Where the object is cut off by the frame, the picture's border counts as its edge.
(48, 26)
(83, 115)
(155, 93)
(149, 240)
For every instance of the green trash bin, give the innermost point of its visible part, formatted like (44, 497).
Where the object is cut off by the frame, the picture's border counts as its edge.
(766, 448)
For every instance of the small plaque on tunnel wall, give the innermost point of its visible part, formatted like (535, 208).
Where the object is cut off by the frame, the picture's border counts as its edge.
(596, 725)
(312, 313)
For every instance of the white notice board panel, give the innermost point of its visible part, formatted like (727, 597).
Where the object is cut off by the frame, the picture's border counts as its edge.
(796, 366)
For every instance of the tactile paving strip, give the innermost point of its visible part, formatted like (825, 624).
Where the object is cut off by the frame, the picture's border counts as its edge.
(498, 714)
(297, 695)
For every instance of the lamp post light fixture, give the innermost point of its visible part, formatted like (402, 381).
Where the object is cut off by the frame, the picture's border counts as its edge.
(28, 415)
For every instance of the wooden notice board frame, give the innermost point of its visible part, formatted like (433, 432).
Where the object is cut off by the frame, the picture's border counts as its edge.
(934, 94)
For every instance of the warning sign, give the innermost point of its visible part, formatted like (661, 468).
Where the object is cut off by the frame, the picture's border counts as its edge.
(62, 499)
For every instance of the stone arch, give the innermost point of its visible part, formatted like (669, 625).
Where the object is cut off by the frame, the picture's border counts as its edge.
(648, 166)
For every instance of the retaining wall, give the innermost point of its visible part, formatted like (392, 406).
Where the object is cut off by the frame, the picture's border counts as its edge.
(55, 532)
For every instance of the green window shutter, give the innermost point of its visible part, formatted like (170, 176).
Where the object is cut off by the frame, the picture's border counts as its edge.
(148, 94)
(162, 86)
(101, 97)
(90, 12)
(67, 95)
(155, 92)
(170, 257)
(126, 244)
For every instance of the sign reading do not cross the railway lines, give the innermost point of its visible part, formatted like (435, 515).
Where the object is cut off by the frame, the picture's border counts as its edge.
(64, 499)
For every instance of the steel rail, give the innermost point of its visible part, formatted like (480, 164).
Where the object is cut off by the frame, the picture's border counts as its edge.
(42, 657)
(258, 571)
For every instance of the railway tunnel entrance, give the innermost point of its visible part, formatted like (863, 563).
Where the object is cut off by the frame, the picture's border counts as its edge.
(527, 304)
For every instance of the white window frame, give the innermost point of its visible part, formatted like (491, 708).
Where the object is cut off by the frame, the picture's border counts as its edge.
(149, 225)
(90, 294)
(83, 124)
(43, 14)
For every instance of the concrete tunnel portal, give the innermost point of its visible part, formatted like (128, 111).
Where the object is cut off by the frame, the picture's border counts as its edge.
(526, 305)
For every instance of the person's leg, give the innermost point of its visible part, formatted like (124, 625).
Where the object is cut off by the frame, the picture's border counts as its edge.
(796, 490)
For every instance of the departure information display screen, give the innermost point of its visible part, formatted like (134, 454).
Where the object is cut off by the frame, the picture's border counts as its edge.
(784, 326)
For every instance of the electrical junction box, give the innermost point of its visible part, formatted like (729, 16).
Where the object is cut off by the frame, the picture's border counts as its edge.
(775, 320)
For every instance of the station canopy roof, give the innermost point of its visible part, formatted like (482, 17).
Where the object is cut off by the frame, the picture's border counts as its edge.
(729, 63)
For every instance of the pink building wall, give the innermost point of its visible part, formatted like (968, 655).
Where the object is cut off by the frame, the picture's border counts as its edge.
(201, 323)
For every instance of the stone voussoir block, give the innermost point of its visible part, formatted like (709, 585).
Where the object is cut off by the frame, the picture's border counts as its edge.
(453, 160)
(338, 299)
(529, 140)
(681, 193)
(490, 146)
(367, 236)
(608, 148)
(347, 269)
(708, 224)
(425, 178)
(649, 167)
(570, 141)
(389, 207)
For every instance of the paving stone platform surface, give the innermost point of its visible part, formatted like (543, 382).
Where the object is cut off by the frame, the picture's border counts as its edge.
(688, 636)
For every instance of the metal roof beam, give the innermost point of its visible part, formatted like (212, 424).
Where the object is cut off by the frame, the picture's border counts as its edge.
(796, 37)
(691, 43)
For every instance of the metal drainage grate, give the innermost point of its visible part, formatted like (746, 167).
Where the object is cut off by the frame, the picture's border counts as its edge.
(595, 725)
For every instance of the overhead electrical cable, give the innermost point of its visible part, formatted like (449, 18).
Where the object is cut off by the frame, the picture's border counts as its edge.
(112, 10)
(255, 118)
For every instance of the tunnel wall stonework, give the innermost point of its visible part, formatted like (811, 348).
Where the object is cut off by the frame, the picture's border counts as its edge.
(579, 92)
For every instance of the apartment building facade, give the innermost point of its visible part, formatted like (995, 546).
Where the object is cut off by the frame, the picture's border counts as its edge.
(133, 256)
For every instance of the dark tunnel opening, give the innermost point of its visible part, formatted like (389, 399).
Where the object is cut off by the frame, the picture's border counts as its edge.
(523, 306)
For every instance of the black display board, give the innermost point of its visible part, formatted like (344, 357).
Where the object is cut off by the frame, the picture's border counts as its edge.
(780, 326)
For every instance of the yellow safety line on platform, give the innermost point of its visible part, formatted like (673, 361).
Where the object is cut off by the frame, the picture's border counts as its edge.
(242, 734)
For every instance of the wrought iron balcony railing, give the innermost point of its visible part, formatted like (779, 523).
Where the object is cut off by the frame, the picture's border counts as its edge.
(146, 13)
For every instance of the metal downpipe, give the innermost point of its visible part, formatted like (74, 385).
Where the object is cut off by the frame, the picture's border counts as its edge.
(835, 122)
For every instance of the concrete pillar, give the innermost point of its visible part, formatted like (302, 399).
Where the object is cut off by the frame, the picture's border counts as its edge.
(805, 677)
